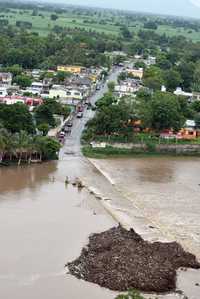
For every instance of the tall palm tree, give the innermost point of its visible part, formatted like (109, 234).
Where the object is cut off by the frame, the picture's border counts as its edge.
(22, 144)
(2, 147)
(10, 143)
(38, 144)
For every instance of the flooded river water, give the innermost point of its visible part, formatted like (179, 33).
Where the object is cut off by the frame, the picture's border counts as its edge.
(44, 224)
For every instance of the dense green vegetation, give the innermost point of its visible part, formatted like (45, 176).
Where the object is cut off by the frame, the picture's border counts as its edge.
(45, 113)
(157, 112)
(18, 139)
(132, 294)
(16, 118)
(22, 147)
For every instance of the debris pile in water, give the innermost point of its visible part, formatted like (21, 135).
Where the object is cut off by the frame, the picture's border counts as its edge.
(120, 260)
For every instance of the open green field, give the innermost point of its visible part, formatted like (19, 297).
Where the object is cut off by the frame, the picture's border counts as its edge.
(105, 22)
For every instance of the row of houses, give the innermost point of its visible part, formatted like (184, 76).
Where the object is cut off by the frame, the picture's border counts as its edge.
(30, 102)
(78, 85)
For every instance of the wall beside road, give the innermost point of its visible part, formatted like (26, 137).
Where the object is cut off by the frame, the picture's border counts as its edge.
(179, 149)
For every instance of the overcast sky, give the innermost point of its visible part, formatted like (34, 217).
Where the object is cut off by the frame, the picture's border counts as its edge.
(189, 8)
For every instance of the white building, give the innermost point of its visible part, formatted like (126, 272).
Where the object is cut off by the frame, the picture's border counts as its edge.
(3, 92)
(151, 60)
(180, 92)
(128, 87)
(36, 88)
(5, 79)
(58, 91)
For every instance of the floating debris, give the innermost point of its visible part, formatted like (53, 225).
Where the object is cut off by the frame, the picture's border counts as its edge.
(119, 260)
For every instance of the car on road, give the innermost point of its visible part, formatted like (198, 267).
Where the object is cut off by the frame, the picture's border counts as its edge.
(69, 124)
(79, 115)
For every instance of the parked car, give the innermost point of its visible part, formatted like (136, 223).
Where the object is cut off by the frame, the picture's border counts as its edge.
(69, 124)
(80, 115)
(61, 134)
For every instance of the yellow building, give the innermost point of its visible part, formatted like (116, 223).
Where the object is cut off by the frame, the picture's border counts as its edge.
(74, 69)
(137, 73)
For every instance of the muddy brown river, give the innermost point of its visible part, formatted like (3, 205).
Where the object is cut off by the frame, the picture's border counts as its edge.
(44, 224)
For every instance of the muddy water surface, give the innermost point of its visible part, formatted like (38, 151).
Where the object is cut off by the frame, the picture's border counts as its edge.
(44, 224)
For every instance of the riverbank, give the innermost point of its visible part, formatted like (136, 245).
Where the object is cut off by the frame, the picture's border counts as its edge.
(98, 151)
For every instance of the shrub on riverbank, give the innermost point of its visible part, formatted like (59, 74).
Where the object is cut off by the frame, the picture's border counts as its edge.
(132, 294)
(149, 150)
(106, 152)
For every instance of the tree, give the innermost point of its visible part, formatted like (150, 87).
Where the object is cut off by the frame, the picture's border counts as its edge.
(16, 118)
(111, 86)
(122, 76)
(196, 106)
(162, 112)
(23, 81)
(44, 128)
(125, 32)
(163, 62)
(54, 17)
(172, 79)
(112, 116)
(61, 76)
(2, 146)
(132, 294)
(15, 69)
(23, 142)
(197, 120)
(47, 147)
(187, 70)
(196, 78)
(153, 78)
(150, 25)
(44, 115)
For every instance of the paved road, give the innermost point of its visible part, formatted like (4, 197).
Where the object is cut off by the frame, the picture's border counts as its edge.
(72, 142)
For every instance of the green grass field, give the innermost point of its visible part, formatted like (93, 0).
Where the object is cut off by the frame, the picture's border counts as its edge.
(43, 24)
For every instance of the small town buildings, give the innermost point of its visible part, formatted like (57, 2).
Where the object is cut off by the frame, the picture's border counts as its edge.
(74, 69)
(5, 79)
(188, 132)
(12, 100)
(31, 102)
